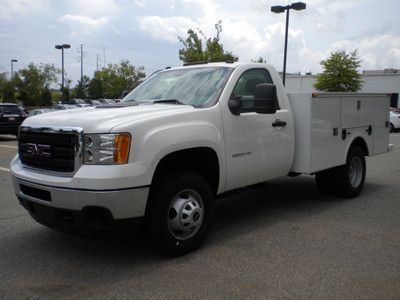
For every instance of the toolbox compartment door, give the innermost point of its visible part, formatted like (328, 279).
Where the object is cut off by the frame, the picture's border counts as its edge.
(327, 148)
(357, 110)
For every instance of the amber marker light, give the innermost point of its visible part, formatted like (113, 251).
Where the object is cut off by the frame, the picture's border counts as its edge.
(122, 143)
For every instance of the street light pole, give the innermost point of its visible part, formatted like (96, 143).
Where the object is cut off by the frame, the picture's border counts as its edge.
(62, 47)
(286, 42)
(12, 68)
(280, 9)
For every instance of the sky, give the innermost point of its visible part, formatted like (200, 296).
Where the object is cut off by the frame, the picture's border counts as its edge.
(145, 32)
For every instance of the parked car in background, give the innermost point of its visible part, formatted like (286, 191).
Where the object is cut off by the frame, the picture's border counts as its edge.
(23, 109)
(107, 101)
(11, 116)
(395, 110)
(93, 102)
(40, 111)
(394, 121)
(78, 102)
(64, 106)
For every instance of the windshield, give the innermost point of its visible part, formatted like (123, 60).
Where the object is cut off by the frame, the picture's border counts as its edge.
(197, 87)
(11, 109)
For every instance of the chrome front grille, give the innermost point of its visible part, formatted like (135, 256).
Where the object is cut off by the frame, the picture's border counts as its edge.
(50, 149)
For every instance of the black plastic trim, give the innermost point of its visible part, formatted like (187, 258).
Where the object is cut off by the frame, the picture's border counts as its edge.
(80, 189)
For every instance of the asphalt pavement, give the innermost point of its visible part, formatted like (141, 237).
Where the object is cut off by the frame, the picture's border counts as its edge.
(284, 240)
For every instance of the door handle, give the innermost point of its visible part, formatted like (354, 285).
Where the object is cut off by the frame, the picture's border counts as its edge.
(279, 123)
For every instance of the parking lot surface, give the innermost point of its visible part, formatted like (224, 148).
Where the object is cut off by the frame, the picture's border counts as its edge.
(284, 240)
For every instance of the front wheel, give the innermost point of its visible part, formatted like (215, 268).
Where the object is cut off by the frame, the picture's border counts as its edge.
(391, 127)
(180, 213)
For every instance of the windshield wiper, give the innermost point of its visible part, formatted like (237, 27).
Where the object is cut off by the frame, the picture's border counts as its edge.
(172, 101)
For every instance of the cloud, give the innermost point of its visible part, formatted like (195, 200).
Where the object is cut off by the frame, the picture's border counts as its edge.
(205, 6)
(238, 36)
(249, 31)
(166, 29)
(328, 15)
(140, 3)
(245, 31)
(12, 8)
(377, 52)
(83, 25)
(94, 8)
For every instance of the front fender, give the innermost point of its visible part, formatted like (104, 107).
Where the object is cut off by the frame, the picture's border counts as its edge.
(156, 136)
(167, 139)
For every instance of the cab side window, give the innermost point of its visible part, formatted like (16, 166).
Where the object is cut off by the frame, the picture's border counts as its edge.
(248, 81)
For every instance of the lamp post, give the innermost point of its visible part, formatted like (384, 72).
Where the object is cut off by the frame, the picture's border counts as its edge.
(62, 47)
(12, 68)
(280, 9)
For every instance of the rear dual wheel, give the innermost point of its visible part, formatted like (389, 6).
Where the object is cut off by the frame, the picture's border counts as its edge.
(347, 180)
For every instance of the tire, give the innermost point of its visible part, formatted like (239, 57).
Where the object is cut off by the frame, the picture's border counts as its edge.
(347, 180)
(180, 213)
(391, 127)
(352, 175)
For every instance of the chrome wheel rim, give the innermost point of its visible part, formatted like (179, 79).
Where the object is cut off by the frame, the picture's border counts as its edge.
(185, 214)
(356, 171)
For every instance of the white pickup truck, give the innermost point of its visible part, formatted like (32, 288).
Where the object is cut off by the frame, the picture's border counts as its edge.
(185, 136)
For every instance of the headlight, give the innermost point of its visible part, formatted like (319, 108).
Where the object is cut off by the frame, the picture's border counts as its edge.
(106, 149)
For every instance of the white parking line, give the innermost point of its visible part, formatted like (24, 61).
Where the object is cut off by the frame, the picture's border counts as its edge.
(4, 169)
(8, 146)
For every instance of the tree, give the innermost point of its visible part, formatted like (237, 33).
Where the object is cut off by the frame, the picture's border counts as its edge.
(65, 95)
(31, 81)
(96, 88)
(112, 81)
(46, 97)
(3, 80)
(23, 97)
(65, 91)
(340, 73)
(193, 50)
(81, 89)
(7, 90)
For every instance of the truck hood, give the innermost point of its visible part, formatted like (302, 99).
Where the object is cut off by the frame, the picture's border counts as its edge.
(103, 118)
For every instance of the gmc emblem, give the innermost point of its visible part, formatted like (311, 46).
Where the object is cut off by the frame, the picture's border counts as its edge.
(38, 150)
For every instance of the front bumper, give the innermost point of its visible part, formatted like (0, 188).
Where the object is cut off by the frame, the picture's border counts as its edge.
(121, 203)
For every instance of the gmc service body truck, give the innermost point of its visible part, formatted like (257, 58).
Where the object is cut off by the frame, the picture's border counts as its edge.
(183, 137)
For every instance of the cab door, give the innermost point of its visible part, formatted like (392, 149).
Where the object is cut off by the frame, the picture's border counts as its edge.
(258, 146)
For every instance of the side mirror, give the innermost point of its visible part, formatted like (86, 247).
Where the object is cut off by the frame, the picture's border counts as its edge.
(241, 104)
(235, 106)
(265, 99)
(124, 93)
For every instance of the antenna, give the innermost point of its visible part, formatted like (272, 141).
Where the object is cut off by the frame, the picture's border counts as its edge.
(98, 61)
(104, 57)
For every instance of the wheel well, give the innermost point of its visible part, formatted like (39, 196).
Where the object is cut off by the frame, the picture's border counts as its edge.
(202, 160)
(359, 142)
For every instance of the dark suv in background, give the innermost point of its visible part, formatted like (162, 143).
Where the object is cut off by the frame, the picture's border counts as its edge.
(11, 116)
